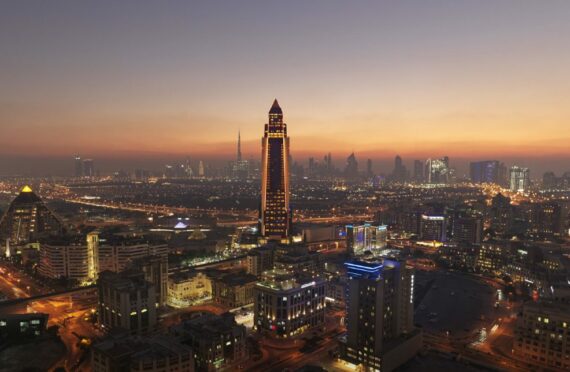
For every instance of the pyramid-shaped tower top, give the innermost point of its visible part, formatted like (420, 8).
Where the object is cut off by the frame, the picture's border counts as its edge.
(26, 189)
(275, 108)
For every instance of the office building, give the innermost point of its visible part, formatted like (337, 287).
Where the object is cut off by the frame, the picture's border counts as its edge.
(66, 257)
(155, 269)
(501, 213)
(233, 290)
(275, 215)
(217, 341)
(122, 352)
(418, 171)
(400, 173)
(542, 334)
(88, 168)
(365, 238)
(78, 167)
(187, 288)
(260, 260)
(115, 253)
(287, 304)
(468, 229)
(126, 300)
(519, 179)
(351, 169)
(484, 171)
(437, 171)
(380, 309)
(433, 228)
(27, 219)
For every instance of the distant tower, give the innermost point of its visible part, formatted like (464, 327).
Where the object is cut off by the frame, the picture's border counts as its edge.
(201, 169)
(239, 147)
(275, 217)
(88, 168)
(78, 167)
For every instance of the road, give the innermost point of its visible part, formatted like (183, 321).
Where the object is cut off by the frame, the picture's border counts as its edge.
(69, 313)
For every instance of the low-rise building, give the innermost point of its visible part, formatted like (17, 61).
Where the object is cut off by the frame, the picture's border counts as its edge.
(186, 288)
(22, 327)
(121, 352)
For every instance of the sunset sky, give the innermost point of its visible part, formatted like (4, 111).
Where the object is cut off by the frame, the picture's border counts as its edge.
(165, 79)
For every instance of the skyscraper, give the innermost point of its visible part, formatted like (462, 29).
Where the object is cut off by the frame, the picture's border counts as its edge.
(418, 171)
(88, 168)
(437, 170)
(351, 170)
(78, 166)
(484, 171)
(275, 216)
(519, 179)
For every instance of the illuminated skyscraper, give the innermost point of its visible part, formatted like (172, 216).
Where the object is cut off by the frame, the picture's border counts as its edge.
(275, 216)
(519, 179)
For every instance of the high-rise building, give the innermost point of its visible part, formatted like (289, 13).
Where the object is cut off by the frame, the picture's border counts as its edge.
(380, 310)
(240, 168)
(126, 300)
(484, 171)
(433, 228)
(260, 260)
(437, 170)
(66, 257)
(351, 169)
(542, 335)
(155, 269)
(400, 173)
(365, 238)
(468, 229)
(418, 171)
(501, 213)
(28, 219)
(275, 215)
(201, 171)
(78, 171)
(287, 305)
(519, 179)
(217, 341)
(88, 168)
(369, 172)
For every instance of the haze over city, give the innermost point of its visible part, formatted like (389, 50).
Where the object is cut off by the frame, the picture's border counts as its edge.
(135, 82)
(279, 186)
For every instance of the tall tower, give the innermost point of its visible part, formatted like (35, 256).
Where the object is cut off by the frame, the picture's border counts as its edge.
(274, 216)
(239, 147)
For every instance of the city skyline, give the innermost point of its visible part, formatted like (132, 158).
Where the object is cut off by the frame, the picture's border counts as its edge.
(161, 83)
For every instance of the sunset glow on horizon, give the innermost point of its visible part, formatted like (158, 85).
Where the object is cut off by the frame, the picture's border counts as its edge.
(463, 79)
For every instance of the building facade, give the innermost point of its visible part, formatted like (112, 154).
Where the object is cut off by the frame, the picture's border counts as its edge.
(380, 312)
(275, 213)
(126, 300)
(365, 237)
(286, 305)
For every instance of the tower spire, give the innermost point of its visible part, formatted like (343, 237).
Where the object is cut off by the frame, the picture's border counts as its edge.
(239, 146)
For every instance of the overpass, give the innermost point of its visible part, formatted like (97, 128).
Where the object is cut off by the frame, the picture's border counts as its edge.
(18, 301)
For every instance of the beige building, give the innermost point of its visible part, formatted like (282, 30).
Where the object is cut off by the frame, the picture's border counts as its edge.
(184, 289)
(233, 290)
(542, 334)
